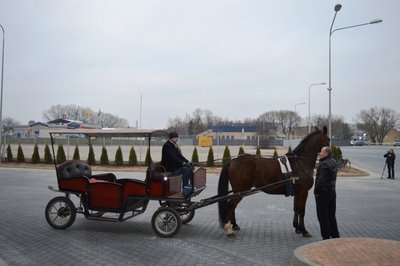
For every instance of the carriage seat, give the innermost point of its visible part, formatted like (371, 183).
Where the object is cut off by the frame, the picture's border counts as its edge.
(75, 175)
(161, 183)
(156, 171)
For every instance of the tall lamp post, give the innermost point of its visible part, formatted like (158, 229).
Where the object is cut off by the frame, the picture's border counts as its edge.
(295, 109)
(1, 96)
(331, 31)
(309, 104)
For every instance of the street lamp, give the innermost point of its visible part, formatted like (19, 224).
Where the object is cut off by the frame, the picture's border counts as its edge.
(337, 9)
(296, 106)
(1, 96)
(309, 97)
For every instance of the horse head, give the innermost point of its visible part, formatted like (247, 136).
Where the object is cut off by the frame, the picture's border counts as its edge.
(312, 144)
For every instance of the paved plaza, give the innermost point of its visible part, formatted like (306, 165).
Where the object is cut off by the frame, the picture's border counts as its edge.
(367, 207)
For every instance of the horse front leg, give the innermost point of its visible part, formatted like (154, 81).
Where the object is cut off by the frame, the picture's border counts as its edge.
(299, 213)
(296, 221)
(302, 228)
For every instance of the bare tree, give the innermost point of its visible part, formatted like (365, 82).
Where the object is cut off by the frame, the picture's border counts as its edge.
(270, 117)
(377, 122)
(340, 129)
(195, 123)
(288, 121)
(84, 114)
(111, 121)
(9, 124)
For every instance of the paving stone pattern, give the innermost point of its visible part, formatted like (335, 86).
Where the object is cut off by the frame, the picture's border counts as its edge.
(367, 207)
(353, 251)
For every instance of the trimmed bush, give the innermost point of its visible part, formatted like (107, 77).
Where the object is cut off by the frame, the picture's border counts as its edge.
(148, 161)
(47, 154)
(241, 151)
(195, 156)
(91, 160)
(61, 154)
(290, 150)
(20, 154)
(119, 160)
(337, 153)
(210, 158)
(132, 157)
(35, 156)
(275, 154)
(104, 156)
(258, 151)
(76, 155)
(10, 156)
(226, 158)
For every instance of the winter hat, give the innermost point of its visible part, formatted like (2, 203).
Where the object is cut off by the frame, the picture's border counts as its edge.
(173, 134)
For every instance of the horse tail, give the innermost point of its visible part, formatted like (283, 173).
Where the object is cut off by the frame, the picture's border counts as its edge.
(223, 185)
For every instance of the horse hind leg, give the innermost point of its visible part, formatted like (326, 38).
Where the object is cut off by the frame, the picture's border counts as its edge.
(235, 226)
(231, 225)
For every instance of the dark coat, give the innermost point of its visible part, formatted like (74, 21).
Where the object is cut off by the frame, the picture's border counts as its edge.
(326, 176)
(390, 157)
(171, 157)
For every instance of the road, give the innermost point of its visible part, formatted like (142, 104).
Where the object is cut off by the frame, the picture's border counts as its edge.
(370, 158)
(365, 208)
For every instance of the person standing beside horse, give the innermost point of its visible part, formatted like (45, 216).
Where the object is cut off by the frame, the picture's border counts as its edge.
(325, 194)
(173, 161)
(390, 157)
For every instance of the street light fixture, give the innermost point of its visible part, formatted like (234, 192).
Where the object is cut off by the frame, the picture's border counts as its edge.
(296, 106)
(1, 97)
(337, 9)
(309, 97)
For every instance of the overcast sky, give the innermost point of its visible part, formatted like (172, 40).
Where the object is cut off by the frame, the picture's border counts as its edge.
(237, 58)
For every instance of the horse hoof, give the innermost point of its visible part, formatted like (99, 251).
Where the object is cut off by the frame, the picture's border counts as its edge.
(228, 229)
(236, 227)
(298, 231)
(307, 234)
(231, 234)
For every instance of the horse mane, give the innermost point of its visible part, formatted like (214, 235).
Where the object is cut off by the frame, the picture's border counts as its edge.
(301, 147)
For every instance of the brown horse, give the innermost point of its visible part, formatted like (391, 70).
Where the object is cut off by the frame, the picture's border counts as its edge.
(248, 171)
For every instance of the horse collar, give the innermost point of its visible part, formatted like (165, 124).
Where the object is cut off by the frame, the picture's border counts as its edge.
(285, 164)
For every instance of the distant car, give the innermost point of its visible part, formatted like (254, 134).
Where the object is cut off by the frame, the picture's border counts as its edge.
(397, 142)
(360, 142)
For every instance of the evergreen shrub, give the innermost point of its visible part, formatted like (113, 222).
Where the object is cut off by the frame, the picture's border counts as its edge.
(35, 156)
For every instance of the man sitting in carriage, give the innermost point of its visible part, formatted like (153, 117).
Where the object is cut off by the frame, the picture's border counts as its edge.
(173, 161)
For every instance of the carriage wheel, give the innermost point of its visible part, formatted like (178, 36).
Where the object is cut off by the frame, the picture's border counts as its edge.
(60, 213)
(186, 217)
(166, 222)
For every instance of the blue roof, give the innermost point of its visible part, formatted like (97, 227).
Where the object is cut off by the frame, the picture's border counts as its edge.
(233, 128)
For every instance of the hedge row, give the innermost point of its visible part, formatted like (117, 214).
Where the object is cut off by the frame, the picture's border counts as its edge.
(118, 158)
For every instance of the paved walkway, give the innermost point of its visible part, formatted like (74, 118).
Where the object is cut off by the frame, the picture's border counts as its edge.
(349, 251)
(366, 209)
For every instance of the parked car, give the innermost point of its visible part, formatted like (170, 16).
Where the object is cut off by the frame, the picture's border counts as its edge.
(397, 142)
(360, 142)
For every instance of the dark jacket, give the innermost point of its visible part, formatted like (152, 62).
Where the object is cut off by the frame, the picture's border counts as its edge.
(326, 176)
(390, 157)
(171, 157)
